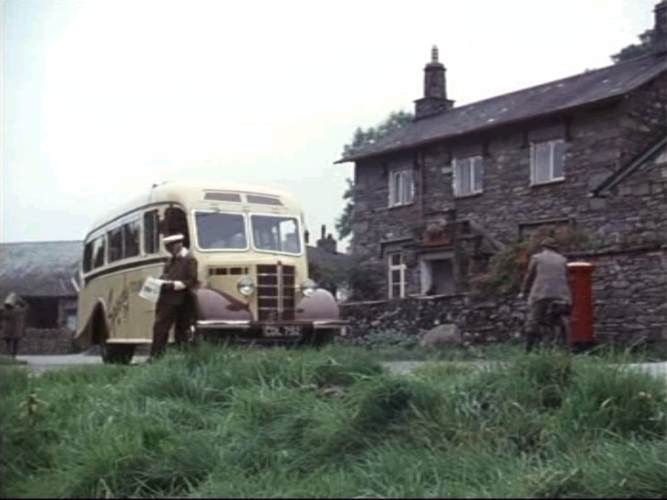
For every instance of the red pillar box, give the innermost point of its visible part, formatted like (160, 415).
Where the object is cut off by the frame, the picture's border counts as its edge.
(580, 277)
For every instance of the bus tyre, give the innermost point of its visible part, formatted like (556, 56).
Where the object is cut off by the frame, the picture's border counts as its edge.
(118, 354)
(322, 337)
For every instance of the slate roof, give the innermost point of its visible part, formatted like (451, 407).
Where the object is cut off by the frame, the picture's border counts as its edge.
(39, 269)
(327, 260)
(549, 98)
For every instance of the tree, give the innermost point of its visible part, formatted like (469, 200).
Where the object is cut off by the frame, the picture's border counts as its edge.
(344, 222)
(361, 139)
(635, 50)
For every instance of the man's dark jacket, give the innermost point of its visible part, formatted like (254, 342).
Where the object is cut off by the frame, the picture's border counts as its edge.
(183, 268)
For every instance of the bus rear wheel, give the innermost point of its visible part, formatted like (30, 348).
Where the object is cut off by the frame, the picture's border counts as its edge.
(117, 354)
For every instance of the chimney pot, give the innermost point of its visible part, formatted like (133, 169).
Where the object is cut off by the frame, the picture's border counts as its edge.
(435, 89)
(660, 28)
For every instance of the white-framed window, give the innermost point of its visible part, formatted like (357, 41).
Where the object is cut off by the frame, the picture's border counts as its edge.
(401, 187)
(396, 275)
(547, 161)
(468, 175)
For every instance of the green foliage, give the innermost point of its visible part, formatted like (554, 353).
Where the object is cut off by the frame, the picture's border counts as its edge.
(361, 139)
(635, 50)
(507, 267)
(330, 423)
(365, 279)
(344, 222)
(366, 137)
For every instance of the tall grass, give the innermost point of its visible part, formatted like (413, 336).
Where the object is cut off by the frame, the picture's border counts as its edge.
(294, 423)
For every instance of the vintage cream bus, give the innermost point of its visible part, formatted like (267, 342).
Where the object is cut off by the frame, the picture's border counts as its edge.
(253, 272)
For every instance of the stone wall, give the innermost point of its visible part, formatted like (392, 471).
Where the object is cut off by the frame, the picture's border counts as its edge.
(43, 341)
(628, 294)
(629, 290)
(479, 319)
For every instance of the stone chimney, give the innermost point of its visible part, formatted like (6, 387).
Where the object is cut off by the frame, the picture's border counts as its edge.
(327, 243)
(435, 89)
(660, 28)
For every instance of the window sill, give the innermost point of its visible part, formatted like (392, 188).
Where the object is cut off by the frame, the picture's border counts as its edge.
(470, 195)
(548, 183)
(401, 205)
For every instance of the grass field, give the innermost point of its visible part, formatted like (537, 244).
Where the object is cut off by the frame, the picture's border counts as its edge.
(285, 423)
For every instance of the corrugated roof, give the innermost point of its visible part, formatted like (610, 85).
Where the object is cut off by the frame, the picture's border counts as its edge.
(41, 268)
(557, 96)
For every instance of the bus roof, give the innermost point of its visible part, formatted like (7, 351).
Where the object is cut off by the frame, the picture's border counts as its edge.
(191, 194)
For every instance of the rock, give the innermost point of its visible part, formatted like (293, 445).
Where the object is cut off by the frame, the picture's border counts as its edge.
(446, 335)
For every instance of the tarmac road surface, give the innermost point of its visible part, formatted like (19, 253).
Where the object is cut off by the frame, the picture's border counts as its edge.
(42, 363)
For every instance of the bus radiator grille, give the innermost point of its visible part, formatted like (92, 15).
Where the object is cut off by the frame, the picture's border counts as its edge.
(276, 289)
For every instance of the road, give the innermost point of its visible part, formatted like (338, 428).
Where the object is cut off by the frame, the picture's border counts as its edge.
(40, 364)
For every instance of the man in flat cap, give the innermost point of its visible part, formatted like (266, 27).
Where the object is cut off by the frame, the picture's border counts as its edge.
(13, 315)
(550, 299)
(174, 307)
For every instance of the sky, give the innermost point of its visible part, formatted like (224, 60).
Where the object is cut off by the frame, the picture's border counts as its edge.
(100, 99)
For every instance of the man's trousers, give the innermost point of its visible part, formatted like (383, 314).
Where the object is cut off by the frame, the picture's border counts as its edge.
(166, 316)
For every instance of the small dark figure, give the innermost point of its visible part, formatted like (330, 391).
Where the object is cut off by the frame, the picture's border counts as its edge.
(174, 307)
(13, 313)
(550, 298)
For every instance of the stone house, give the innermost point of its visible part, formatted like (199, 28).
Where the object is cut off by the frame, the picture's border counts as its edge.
(43, 274)
(435, 199)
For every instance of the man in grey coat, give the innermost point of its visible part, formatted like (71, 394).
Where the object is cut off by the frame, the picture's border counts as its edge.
(550, 299)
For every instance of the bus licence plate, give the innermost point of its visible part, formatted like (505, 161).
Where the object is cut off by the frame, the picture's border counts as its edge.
(281, 331)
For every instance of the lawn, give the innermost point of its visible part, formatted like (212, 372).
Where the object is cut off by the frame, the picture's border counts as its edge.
(292, 423)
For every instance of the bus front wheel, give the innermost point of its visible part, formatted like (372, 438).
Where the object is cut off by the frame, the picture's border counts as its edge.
(120, 354)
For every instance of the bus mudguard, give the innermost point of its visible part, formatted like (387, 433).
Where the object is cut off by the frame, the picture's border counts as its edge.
(321, 305)
(96, 328)
(216, 305)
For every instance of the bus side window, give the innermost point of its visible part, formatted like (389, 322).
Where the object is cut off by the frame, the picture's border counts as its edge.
(131, 238)
(88, 257)
(115, 244)
(151, 232)
(98, 252)
(175, 222)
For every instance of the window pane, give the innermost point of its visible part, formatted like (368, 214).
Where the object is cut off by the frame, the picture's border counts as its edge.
(559, 159)
(541, 162)
(396, 291)
(478, 165)
(408, 186)
(219, 196)
(115, 244)
(456, 180)
(151, 235)
(395, 259)
(263, 200)
(466, 177)
(220, 231)
(98, 252)
(88, 257)
(278, 234)
(131, 237)
(392, 188)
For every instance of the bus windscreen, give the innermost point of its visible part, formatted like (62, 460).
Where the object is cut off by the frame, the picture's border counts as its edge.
(276, 234)
(221, 231)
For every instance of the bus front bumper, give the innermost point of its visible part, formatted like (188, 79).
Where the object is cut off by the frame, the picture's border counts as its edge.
(241, 325)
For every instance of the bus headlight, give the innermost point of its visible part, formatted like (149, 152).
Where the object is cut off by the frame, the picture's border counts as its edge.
(246, 286)
(308, 287)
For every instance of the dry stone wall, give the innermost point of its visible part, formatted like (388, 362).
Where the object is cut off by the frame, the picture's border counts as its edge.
(43, 341)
